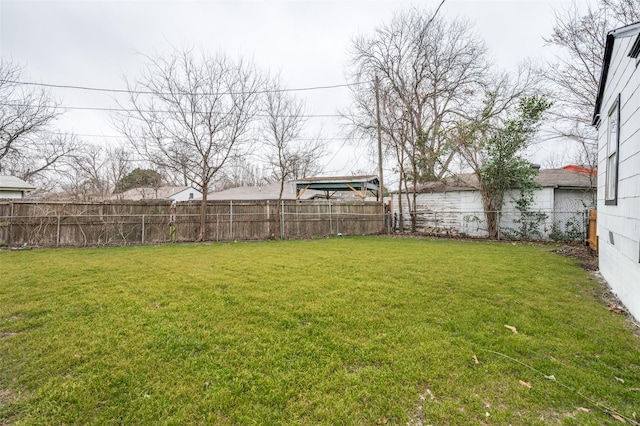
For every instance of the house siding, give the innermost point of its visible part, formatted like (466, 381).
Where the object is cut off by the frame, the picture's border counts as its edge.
(619, 225)
(11, 194)
(570, 200)
(463, 212)
(184, 195)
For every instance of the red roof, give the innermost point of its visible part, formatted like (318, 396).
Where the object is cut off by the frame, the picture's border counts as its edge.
(581, 169)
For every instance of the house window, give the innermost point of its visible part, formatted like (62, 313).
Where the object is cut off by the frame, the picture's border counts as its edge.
(191, 195)
(613, 144)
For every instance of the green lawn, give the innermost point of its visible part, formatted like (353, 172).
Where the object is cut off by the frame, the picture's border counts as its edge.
(334, 331)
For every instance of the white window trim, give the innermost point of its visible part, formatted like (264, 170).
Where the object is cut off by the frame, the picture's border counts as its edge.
(613, 148)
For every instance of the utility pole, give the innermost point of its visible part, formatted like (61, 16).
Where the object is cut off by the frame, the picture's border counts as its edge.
(380, 178)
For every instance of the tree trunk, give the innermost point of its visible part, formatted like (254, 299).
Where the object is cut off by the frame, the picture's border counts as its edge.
(278, 230)
(492, 224)
(491, 213)
(203, 215)
(414, 218)
(400, 217)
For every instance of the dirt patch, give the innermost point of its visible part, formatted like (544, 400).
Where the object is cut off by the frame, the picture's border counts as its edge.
(608, 297)
(589, 261)
(587, 257)
(6, 397)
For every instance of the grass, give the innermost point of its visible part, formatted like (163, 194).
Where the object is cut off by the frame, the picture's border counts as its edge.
(334, 331)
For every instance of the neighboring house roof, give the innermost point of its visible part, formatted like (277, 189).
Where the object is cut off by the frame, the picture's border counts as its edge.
(267, 192)
(562, 178)
(160, 193)
(587, 170)
(12, 183)
(548, 178)
(628, 31)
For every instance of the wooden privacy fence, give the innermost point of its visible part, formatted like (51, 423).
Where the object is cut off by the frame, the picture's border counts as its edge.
(593, 231)
(74, 224)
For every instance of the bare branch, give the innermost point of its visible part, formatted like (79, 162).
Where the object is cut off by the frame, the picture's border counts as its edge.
(196, 111)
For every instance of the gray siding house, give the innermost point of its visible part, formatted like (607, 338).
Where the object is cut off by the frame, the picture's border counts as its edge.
(617, 118)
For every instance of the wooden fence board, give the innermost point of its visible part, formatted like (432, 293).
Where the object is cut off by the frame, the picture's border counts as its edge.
(53, 224)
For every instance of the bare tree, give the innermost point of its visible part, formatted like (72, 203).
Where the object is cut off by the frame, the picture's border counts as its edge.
(190, 114)
(287, 157)
(580, 34)
(428, 69)
(28, 146)
(92, 172)
(119, 162)
(625, 12)
(241, 170)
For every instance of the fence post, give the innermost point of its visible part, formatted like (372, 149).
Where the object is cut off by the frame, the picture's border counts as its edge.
(142, 239)
(10, 237)
(498, 224)
(585, 227)
(58, 232)
(230, 220)
(330, 220)
(218, 226)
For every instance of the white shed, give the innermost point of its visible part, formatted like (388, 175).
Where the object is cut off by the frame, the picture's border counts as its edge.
(617, 118)
(14, 188)
(454, 206)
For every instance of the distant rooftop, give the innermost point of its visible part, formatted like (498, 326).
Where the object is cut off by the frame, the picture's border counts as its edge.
(358, 184)
(548, 178)
(9, 183)
(267, 192)
(160, 193)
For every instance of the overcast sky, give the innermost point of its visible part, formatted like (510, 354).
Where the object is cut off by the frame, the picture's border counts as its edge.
(96, 43)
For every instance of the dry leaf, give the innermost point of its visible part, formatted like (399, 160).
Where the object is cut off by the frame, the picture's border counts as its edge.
(527, 384)
(475, 359)
(620, 380)
(512, 328)
(618, 418)
(382, 421)
(617, 309)
(586, 410)
(551, 377)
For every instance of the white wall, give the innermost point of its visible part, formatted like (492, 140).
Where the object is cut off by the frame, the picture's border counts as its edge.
(571, 200)
(464, 212)
(619, 225)
(543, 200)
(10, 194)
(184, 195)
(473, 221)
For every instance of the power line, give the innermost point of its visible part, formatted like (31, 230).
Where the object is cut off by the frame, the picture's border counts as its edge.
(144, 92)
(77, 108)
(89, 135)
